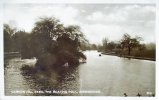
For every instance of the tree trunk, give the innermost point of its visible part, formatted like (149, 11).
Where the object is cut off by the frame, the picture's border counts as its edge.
(129, 50)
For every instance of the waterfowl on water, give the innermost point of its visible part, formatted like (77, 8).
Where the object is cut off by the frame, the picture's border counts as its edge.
(139, 94)
(125, 95)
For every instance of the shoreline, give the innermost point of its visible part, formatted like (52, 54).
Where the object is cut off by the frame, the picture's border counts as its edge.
(11, 54)
(129, 57)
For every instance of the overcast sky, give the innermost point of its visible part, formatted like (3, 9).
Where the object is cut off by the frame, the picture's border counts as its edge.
(96, 20)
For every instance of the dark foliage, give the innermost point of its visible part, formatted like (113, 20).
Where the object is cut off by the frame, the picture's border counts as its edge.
(52, 44)
(129, 46)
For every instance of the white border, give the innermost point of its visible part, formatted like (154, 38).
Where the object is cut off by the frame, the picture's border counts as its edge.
(79, 1)
(2, 97)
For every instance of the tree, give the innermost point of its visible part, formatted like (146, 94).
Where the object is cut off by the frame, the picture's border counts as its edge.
(93, 47)
(105, 43)
(108, 46)
(50, 40)
(8, 31)
(21, 43)
(111, 45)
(141, 47)
(128, 42)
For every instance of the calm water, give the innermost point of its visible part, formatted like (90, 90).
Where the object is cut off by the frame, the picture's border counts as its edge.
(103, 75)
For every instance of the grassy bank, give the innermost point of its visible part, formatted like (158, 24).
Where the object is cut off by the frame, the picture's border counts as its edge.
(135, 54)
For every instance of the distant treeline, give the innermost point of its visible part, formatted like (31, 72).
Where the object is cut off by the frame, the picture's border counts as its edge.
(126, 46)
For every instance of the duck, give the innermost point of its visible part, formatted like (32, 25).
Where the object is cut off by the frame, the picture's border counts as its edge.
(139, 94)
(125, 95)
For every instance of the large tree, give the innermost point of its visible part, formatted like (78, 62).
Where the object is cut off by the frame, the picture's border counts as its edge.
(53, 44)
(128, 42)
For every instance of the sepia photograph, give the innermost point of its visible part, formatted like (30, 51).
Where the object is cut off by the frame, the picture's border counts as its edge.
(90, 49)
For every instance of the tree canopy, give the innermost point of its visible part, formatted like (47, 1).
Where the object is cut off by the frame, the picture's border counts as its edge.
(52, 43)
(52, 40)
(128, 42)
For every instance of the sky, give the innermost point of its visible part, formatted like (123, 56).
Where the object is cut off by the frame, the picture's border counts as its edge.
(97, 21)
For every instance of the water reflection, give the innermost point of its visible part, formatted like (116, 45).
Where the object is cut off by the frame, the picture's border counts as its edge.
(111, 75)
(62, 80)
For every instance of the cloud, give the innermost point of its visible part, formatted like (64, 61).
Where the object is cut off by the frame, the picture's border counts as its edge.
(26, 15)
(123, 14)
(133, 19)
(96, 20)
(96, 16)
(65, 14)
(96, 32)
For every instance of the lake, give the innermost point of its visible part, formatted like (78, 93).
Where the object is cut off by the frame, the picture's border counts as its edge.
(103, 75)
